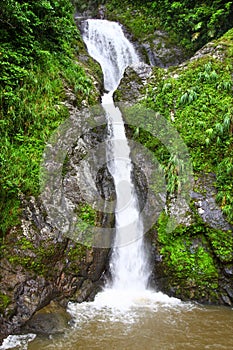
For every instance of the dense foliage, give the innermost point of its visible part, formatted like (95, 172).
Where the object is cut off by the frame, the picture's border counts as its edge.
(198, 101)
(192, 22)
(37, 60)
(39, 44)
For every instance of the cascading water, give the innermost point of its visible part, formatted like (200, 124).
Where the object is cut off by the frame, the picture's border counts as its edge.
(107, 44)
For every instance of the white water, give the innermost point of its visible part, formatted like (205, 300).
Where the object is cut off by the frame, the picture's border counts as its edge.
(107, 44)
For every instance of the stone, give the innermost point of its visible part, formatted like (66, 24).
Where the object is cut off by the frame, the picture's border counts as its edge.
(207, 208)
(134, 79)
(52, 319)
(40, 262)
(162, 52)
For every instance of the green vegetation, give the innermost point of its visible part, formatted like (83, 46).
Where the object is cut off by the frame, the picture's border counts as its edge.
(191, 23)
(36, 259)
(38, 62)
(26, 254)
(222, 244)
(188, 259)
(87, 214)
(197, 100)
(75, 254)
(191, 256)
(87, 219)
(4, 302)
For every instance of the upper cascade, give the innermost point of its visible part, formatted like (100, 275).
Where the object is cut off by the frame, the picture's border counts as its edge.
(107, 44)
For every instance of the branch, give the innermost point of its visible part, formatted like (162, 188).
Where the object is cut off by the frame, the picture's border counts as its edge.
(9, 24)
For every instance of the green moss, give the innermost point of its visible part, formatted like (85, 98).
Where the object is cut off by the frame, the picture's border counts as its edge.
(186, 254)
(37, 259)
(190, 256)
(222, 244)
(41, 259)
(4, 302)
(86, 220)
(77, 252)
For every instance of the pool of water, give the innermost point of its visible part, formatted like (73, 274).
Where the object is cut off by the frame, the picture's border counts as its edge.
(150, 322)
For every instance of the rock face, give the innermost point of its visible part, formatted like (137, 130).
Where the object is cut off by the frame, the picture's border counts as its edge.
(205, 203)
(39, 265)
(195, 261)
(52, 319)
(161, 52)
(135, 77)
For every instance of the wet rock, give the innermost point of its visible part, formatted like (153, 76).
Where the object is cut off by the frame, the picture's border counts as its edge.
(207, 208)
(229, 270)
(101, 12)
(162, 52)
(179, 210)
(84, 292)
(198, 226)
(50, 320)
(41, 261)
(226, 300)
(134, 79)
(210, 49)
(228, 288)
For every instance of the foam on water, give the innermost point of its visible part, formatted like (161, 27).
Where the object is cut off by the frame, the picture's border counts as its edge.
(21, 341)
(123, 306)
(127, 299)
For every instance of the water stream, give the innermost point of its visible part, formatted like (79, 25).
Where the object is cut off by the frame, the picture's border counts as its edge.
(127, 288)
(107, 44)
(127, 314)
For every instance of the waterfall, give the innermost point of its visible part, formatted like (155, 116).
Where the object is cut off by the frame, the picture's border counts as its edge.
(107, 44)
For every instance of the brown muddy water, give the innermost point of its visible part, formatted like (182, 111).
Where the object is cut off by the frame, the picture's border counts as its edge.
(150, 322)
